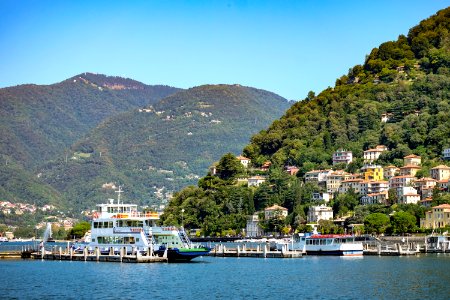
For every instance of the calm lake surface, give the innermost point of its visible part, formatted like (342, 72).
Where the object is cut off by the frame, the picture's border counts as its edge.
(310, 277)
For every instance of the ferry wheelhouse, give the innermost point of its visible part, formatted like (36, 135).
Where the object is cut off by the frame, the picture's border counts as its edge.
(327, 244)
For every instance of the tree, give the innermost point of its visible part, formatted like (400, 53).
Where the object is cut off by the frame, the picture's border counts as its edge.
(403, 222)
(376, 223)
(229, 167)
(79, 230)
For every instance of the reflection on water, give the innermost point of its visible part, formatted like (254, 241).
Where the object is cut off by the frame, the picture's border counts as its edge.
(311, 277)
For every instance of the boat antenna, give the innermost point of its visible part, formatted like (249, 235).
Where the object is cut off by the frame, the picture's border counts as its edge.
(119, 192)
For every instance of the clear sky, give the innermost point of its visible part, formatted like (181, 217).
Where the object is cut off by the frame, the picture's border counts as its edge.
(287, 47)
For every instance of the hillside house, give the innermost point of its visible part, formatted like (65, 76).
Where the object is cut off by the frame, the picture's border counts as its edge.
(446, 153)
(317, 175)
(441, 172)
(401, 181)
(265, 166)
(275, 211)
(342, 156)
(255, 180)
(317, 213)
(424, 183)
(244, 161)
(412, 159)
(354, 184)
(410, 170)
(390, 171)
(371, 155)
(438, 217)
(407, 195)
(292, 170)
(374, 198)
(373, 172)
(373, 187)
(316, 197)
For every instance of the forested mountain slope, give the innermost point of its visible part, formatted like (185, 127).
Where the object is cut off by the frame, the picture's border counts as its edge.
(166, 146)
(406, 81)
(39, 122)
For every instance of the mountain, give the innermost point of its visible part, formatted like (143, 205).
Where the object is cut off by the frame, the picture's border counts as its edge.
(399, 97)
(165, 146)
(39, 122)
(406, 80)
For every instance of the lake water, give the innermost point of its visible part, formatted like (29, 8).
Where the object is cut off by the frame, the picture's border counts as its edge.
(310, 277)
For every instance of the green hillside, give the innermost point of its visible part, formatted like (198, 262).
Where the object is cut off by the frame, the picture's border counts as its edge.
(407, 80)
(39, 122)
(167, 146)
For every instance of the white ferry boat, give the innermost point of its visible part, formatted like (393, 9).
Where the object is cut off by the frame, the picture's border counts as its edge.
(119, 225)
(325, 244)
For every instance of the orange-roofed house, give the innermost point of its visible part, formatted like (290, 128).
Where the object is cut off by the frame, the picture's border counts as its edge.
(275, 211)
(412, 159)
(441, 172)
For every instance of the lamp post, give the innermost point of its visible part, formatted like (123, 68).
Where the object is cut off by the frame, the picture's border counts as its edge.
(182, 212)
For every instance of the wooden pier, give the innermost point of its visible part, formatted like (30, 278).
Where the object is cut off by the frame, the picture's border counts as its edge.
(261, 251)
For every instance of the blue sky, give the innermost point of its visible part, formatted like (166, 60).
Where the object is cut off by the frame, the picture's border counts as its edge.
(287, 47)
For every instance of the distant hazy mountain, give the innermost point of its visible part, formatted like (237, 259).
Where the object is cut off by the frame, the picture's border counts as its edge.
(165, 146)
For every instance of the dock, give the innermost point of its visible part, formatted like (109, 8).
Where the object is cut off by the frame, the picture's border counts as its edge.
(392, 250)
(261, 251)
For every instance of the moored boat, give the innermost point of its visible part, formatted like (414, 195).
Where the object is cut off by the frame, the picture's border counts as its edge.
(116, 226)
(326, 244)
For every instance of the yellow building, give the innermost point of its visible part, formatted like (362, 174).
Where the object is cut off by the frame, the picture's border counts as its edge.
(438, 217)
(373, 173)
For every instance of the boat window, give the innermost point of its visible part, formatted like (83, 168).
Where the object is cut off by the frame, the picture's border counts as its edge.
(329, 241)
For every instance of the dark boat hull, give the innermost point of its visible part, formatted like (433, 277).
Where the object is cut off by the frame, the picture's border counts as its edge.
(183, 254)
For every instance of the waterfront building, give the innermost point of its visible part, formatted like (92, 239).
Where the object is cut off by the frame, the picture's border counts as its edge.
(321, 212)
(441, 172)
(342, 156)
(252, 228)
(390, 171)
(275, 211)
(373, 172)
(438, 217)
(371, 155)
(412, 159)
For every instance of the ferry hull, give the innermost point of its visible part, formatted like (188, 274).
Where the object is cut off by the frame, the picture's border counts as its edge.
(335, 252)
(175, 254)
